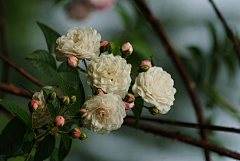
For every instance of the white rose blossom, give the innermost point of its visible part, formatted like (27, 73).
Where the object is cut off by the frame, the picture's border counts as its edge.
(83, 43)
(156, 87)
(45, 117)
(110, 73)
(105, 113)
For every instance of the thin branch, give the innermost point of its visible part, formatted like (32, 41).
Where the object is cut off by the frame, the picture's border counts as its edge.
(176, 136)
(188, 124)
(229, 31)
(10, 88)
(168, 47)
(142, 105)
(22, 71)
(82, 70)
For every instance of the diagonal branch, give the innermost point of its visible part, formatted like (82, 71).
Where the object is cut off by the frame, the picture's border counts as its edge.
(22, 71)
(188, 124)
(183, 138)
(229, 31)
(168, 47)
(10, 88)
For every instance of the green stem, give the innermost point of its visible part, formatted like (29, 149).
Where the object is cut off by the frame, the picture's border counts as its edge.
(134, 72)
(84, 61)
(82, 70)
(29, 153)
(142, 105)
(32, 119)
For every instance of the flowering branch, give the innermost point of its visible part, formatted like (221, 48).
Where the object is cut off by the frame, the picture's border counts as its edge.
(168, 47)
(21, 70)
(183, 138)
(188, 124)
(229, 31)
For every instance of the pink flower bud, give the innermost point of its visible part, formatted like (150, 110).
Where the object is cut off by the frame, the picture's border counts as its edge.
(128, 105)
(144, 66)
(97, 91)
(126, 50)
(59, 121)
(129, 98)
(72, 61)
(101, 4)
(103, 46)
(75, 133)
(33, 105)
(83, 113)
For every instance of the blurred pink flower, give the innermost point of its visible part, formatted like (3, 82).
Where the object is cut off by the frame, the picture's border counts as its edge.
(101, 4)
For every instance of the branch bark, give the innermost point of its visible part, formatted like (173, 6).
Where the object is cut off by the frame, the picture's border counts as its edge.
(22, 71)
(227, 28)
(188, 124)
(168, 47)
(176, 136)
(10, 88)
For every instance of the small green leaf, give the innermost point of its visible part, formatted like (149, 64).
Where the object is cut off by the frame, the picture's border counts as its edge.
(12, 136)
(50, 36)
(50, 106)
(16, 110)
(212, 30)
(45, 148)
(65, 145)
(40, 59)
(137, 111)
(61, 83)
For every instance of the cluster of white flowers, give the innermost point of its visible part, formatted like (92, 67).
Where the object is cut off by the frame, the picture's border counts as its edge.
(110, 75)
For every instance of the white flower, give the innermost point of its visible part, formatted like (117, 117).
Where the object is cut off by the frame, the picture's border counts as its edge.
(156, 87)
(110, 73)
(105, 113)
(83, 43)
(45, 117)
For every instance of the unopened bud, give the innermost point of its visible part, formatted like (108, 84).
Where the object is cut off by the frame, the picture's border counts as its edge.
(73, 99)
(103, 46)
(65, 100)
(97, 91)
(75, 133)
(126, 50)
(128, 106)
(59, 121)
(47, 126)
(153, 110)
(83, 136)
(33, 105)
(83, 113)
(144, 66)
(129, 98)
(110, 47)
(72, 61)
(52, 96)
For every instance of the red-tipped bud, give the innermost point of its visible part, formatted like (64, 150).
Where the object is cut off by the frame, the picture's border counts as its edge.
(126, 50)
(144, 66)
(73, 99)
(129, 98)
(33, 105)
(73, 61)
(83, 113)
(65, 100)
(103, 46)
(97, 91)
(153, 110)
(83, 136)
(59, 121)
(75, 133)
(128, 105)
(110, 47)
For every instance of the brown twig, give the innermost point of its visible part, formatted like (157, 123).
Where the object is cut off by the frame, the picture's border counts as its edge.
(229, 31)
(176, 136)
(14, 90)
(22, 71)
(188, 124)
(168, 47)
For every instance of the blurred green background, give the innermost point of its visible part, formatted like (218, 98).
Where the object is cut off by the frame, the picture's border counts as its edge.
(196, 34)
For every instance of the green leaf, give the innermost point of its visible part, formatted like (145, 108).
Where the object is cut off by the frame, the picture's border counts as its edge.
(50, 36)
(65, 145)
(45, 148)
(16, 110)
(54, 156)
(137, 111)
(215, 68)
(64, 68)
(12, 136)
(50, 106)
(61, 83)
(29, 135)
(40, 59)
(123, 14)
(27, 90)
(212, 30)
